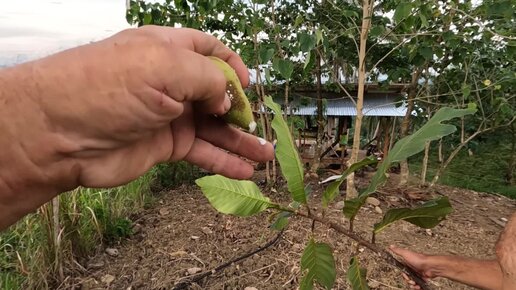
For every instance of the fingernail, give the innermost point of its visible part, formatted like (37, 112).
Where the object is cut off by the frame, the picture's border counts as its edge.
(227, 103)
(262, 141)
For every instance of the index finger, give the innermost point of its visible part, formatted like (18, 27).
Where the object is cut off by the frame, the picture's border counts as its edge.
(204, 44)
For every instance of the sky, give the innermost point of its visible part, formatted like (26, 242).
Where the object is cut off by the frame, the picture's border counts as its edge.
(34, 28)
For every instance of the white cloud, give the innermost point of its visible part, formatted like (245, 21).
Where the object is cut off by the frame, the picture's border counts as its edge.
(32, 28)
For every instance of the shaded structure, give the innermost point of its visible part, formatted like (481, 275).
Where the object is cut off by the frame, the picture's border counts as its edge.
(383, 105)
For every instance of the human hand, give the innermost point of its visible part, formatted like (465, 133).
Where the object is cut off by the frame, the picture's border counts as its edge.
(506, 253)
(111, 110)
(418, 262)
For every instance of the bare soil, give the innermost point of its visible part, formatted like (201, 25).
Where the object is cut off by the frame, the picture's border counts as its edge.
(184, 232)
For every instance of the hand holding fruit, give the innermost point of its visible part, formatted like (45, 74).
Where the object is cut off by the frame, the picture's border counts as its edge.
(102, 114)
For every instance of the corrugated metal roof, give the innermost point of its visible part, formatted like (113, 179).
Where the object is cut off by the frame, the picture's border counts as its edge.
(345, 107)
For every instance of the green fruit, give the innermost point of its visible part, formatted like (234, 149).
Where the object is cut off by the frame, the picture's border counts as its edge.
(240, 113)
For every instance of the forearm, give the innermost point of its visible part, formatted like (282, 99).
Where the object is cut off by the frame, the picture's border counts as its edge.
(482, 274)
(31, 169)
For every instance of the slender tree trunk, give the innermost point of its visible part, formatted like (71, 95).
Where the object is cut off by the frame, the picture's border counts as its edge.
(424, 166)
(512, 159)
(405, 124)
(264, 121)
(320, 119)
(367, 5)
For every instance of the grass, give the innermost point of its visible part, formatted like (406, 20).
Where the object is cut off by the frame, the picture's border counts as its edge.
(37, 253)
(484, 171)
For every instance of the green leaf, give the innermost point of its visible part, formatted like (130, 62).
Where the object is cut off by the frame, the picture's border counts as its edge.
(306, 42)
(268, 75)
(466, 90)
(426, 52)
(424, 22)
(402, 11)
(266, 54)
(406, 147)
(307, 60)
(287, 154)
(426, 216)
(236, 197)
(284, 67)
(333, 189)
(376, 31)
(318, 36)
(147, 19)
(317, 260)
(356, 275)
(298, 21)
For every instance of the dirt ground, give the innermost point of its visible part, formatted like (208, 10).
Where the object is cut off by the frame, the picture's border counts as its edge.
(183, 232)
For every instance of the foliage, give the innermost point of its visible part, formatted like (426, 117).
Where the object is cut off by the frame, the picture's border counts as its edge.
(318, 263)
(171, 175)
(357, 276)
(243, 198)
(89, 217)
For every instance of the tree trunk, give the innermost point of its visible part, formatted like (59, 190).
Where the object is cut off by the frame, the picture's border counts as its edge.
(405, 124)
(512, 159)
(367, 5)
(424, 166)
(320, 119)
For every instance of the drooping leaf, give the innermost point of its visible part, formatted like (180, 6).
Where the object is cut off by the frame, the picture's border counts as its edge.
(333, 189)
(356, 275)
(402, 11)
(307, 60)
(306, 42)
(266, 55)
(287, 154)
(237, 197)
(284, 67)
(426, 216)
(410, 145)
(317, 260)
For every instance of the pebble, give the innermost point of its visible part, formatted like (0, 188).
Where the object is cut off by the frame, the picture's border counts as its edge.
(112, 252)
(108, 279)
(373, 201)
(378, 210)
(339, 205)
(194, 270)
(194, 237)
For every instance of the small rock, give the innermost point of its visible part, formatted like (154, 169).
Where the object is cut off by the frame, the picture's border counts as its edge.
(428, 232)
(373, 201)
(108, 279)
(112, 252)
(504, 220)
(250, 288)
(163, 211)
(361, 250)
(373, 284)
(194, 237)
(339, 205)
(194, 270)
(207, 230)
(95, 265)
(378, 210)
(137, 228)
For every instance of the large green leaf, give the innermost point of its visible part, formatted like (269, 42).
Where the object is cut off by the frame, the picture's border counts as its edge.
(287, 154)
(426, 216)
(318, 262)
(410, 145)
(266, 54)
(284, 67)
(333, 189)
(306, 42)
(402, 11)
(237, 197)
(356, 275)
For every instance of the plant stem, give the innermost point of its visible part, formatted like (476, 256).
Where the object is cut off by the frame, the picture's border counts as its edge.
(388, 257)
